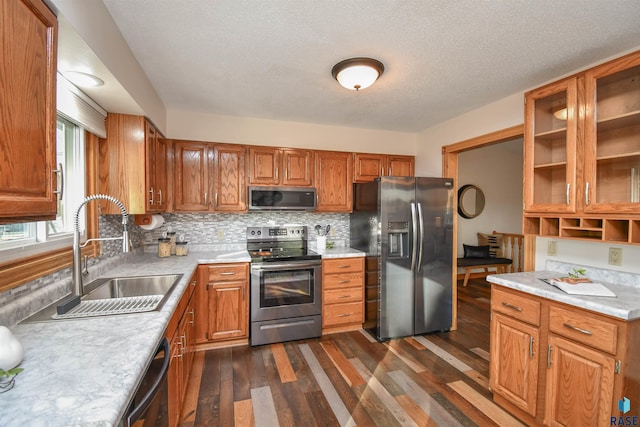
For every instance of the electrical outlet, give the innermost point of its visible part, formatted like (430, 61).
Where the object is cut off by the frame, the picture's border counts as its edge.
(552, 248)
(220, 234)
(615, 256)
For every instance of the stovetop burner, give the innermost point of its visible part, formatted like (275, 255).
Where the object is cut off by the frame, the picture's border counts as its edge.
(277, 244)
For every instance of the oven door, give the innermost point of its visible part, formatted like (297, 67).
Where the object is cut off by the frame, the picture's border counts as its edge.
(281, 290)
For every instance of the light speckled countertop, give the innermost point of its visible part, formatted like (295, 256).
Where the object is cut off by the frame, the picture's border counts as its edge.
(84, 372)
(626, 304)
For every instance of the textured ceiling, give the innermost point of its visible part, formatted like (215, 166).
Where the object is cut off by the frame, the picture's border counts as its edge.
(272, 59)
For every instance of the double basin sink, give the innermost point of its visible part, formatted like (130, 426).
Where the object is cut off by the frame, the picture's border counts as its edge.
(115, 295)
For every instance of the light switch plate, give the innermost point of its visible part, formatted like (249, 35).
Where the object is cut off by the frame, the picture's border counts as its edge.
(615, 256)
(552, 248)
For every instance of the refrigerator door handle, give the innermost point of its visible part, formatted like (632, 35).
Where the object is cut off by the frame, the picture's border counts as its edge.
(414, 236)
(421, 240)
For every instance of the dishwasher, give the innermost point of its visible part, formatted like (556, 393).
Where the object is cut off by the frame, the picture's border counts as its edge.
(149, 405)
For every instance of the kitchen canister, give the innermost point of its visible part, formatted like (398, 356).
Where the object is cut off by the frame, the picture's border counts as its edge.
(181, 248)
(164, 247)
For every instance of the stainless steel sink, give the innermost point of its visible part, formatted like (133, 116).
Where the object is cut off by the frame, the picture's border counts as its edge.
(115, 295)
(123, 287)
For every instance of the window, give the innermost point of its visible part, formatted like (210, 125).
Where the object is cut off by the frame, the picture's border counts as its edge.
(24, 239)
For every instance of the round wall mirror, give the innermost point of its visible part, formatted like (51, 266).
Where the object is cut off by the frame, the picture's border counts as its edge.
(470, 201)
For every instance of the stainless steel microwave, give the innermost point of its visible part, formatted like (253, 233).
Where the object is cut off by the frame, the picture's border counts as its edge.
(282, 199)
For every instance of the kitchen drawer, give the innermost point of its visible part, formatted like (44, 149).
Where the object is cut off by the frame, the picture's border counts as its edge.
(342, 265)
(341, 314)
(334, 296)
(584, 328)
(228, 272)
(520, 307)
(337, 281)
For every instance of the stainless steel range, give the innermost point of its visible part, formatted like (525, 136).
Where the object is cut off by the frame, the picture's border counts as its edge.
(286, 282)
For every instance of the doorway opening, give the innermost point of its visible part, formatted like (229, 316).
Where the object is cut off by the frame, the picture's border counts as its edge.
(453, 156)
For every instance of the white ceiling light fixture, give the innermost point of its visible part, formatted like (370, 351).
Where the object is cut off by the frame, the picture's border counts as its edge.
(357, 73)
(81, 79)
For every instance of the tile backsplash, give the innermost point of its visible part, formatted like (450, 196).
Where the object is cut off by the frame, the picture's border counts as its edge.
(227, 228)
(217, 230)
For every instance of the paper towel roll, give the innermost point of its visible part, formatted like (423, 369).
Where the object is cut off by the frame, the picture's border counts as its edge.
(156, 221)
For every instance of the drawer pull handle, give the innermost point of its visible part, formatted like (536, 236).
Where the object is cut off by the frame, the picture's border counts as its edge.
(513, 307)
(344, 315)
(344, 266)
(344, 281)
(575, 328)
(228, 273)
(344, 296)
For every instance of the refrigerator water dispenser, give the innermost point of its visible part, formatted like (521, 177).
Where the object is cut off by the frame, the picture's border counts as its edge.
(398, 239)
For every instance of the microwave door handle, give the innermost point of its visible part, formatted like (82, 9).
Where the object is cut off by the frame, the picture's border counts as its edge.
(414, 236)
(421, 240)
(135, 413)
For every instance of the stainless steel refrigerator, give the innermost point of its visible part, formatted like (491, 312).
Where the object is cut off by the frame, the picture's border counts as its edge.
(406, 225)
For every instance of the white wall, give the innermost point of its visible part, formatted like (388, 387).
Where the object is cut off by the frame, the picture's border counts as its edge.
(498, 115)
(497, 171)
(585, 253)
(252, 131)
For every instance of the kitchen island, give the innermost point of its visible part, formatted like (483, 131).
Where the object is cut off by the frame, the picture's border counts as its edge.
(563, 359)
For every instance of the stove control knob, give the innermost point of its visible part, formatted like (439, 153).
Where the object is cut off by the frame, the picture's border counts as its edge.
(259, 232)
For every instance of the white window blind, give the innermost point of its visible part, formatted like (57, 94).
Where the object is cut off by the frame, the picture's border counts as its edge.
(76, 106)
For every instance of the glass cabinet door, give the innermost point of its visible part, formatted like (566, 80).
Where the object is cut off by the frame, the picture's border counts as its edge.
(550, 148)
(612, 137)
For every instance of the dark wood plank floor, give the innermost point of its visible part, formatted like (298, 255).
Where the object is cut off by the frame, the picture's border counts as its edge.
(349, 379)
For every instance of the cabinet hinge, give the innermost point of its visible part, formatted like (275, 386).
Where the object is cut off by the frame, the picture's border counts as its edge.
(618, 367)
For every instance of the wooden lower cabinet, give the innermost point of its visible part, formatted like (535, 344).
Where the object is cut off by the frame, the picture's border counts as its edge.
(516, 344)
(180, 333)
(342, 294)
(560, 365)
(223, 300)
(579, 385)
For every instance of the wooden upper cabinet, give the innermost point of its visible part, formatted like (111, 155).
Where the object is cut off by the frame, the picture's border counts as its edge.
(334, 181)
(368, 167)
(28, 54)
(230, 186)
(581, 151)
(133, 165)
(193, 162)
(297, 167)
(550, 150)
(264, 165)
(401, 165)
(280, 166)
(611, 128)
(209, 177)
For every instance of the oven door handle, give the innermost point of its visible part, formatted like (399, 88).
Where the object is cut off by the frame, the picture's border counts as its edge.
(296, 265)
(134, 413)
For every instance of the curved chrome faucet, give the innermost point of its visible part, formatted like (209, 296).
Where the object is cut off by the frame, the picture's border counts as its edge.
(76, 278)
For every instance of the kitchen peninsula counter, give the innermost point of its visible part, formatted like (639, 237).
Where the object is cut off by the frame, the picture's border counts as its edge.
(84, 372)
(626, 286)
